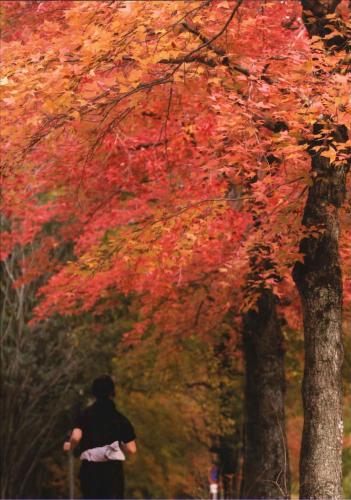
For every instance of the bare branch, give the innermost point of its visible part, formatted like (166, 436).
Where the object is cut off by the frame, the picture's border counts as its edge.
(181, 60)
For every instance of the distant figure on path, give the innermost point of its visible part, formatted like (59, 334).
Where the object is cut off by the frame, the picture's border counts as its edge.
(214, 480)
(104, 435)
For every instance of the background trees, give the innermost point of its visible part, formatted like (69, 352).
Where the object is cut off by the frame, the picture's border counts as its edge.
(39, 368)
(169, 144)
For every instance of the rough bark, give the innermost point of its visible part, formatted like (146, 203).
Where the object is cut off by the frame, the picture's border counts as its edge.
(266, 467)
(319, 282)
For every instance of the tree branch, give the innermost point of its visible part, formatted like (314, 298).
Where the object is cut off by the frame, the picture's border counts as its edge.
(222, 54)
(181, 60)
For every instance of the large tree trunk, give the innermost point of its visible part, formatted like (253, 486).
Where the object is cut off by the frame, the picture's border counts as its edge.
(266, 467)
(319, 282)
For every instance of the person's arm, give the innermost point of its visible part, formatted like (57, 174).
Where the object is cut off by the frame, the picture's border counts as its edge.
(127, 436)
(76, 436)
(129, 447)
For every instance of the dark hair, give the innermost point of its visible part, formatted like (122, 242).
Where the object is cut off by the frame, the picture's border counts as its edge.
(103, 387)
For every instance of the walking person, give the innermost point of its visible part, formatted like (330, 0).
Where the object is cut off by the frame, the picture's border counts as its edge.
(214, 482)
(104, 436)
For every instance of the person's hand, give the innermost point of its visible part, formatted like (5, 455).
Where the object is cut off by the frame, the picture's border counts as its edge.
(67, 446)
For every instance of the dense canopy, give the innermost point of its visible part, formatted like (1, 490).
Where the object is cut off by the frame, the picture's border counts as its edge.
(165, 152)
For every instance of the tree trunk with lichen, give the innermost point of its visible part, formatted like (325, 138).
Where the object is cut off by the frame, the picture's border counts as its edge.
(319, 282)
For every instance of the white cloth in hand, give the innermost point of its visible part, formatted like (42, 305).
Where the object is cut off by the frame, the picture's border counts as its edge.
(104, 453)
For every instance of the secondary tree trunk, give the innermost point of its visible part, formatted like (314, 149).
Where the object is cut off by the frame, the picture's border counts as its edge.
(319, 282)
(229, 442)
(266, 466)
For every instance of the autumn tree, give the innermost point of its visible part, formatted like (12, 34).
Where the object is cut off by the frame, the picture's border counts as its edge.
(142, 125)
(318, 277)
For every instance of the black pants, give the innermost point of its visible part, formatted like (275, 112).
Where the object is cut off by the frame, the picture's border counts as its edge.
(102, 480)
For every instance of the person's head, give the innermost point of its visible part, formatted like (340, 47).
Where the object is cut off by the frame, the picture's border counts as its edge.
(103, 387)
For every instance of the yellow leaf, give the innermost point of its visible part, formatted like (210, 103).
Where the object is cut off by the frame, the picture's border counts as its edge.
(331, 154)
(309, 66)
